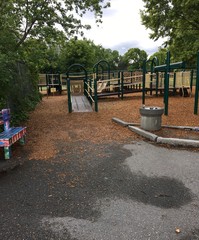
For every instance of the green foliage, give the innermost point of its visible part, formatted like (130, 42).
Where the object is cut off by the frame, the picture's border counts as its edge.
(5, 77)
(21, 19)
(134, 58)
(30, 41)
(77, 51)
(22, 95)
(177, 21)
(84, 52)
(160, 55)
(112, 57)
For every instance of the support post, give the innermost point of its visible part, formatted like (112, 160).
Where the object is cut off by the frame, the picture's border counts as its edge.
(143, 82)
(122, 85)
(151, 79)
(90, 91)
(166, 90)
(197, 87)
(95, 97)
(118, 83)
(174, 82)
(191, 80)
(131, 80)
(69, 95)
(157, 84)
(85, 87)
(7, 153)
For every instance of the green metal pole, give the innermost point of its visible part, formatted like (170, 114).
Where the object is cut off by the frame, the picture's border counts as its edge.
(118, 83)
(166, 90)
(122, 86)
(85, 86)
(197, 87)
(109, 75)
(47, 84)
(157, 84)
(151, 78)
(191, 80)
(174, 82)
(143, 82)
(69, 95)
(90, 90)
(95, 97)
(131, 80)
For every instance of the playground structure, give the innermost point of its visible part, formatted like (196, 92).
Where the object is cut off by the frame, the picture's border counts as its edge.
(161, 79)
(49, 82)
(128, 81)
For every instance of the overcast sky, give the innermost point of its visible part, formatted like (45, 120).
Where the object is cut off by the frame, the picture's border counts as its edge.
(121, 28)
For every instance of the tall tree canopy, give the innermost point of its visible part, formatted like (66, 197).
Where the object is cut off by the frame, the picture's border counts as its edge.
(32, 31)
(134, 58)
(177, 21)
(84, 52)
(160, 55)
(20, 19)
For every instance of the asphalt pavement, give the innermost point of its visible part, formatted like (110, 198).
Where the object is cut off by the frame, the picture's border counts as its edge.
(109, 191)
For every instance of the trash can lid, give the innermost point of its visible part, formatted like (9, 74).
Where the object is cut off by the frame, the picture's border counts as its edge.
(151, 111)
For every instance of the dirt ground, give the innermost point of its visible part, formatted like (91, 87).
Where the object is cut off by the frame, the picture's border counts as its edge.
(51, 122)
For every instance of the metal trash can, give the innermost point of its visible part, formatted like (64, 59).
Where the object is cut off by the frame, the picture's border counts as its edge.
(151, 118)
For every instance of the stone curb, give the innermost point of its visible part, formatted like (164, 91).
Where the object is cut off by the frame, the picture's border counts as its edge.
(144, 133)
(120, 122)
(178, 142)
(155, 138)
(123, 123)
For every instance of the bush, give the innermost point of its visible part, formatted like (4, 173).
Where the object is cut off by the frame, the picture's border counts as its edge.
(18, 89)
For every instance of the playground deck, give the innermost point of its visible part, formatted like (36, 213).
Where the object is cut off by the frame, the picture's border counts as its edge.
(81, 104)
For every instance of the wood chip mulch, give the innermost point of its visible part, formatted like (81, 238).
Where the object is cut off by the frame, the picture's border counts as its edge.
(51, 123)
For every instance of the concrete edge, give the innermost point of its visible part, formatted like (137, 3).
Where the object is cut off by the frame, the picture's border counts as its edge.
(178, 142)
(196, 129)
(148, 135)
(123, 123)
(156, 138)
(120, 122)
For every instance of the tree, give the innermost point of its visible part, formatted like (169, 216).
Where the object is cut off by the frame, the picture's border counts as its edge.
(30, 32)
(160, 55)
(86, 53)
(177, 21)
(21, 19)
(77, 51)
(134, 58)
(111, 56)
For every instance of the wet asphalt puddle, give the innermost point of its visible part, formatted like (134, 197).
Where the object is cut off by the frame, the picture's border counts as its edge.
(125, 187)
(103, 191)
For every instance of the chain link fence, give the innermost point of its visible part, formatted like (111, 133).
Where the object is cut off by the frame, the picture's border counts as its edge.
(18, 90)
